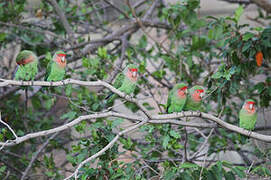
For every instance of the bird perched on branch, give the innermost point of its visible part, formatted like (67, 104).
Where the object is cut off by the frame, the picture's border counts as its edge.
(248, 115)
(194, 99)
(27, 69)
(125, 82)
(177, 98)
(56, 67)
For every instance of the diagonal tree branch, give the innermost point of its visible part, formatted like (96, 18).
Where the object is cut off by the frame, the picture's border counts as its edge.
(117, 8)
(12, 131)
(152, 118)
(265, 4)
(75, 174)
(63, 19)
(36, 155)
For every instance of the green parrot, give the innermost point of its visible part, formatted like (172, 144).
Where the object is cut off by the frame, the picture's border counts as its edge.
(27, 67)
(177, 98)
(56, 67)
(248, 115)
(125, 82)
(194, 99)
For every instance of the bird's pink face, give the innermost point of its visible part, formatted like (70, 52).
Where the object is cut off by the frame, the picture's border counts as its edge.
(61, 60)
(198, 94)
(132, 73)
(182, 92)
(250, 107)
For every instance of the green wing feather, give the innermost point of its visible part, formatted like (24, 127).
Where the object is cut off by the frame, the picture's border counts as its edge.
(27, 72)
(55, 73)
(48, 70)
(119, 80)
(169, 100)
(247, 121)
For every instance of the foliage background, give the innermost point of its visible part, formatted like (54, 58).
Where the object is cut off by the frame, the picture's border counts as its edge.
(170, 42)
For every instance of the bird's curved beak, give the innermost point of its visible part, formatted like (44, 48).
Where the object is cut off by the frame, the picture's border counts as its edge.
(201, 95)
(63, 59)
(134, 74)
(186, 91)
(250, 106)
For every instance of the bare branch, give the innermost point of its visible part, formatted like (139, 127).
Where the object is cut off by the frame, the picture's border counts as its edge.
(151, 9)
(105, 148)
(34, 30)
(12, 131)
(36, 155)
(117, 8)
(124, 45)
(63, 19)
(265, 4)
(4, 82)
(202, 146)
(246, 2)
(78, 82)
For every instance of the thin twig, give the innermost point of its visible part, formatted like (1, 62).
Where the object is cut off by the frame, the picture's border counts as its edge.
(75, 174)
(12, 131)
(36, 155)
(63, 19)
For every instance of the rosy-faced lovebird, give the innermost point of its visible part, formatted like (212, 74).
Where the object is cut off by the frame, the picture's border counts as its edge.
(194, 98)
(125, 82)
(56, 67)
(177, 98)
(248, 115)
(27, 67)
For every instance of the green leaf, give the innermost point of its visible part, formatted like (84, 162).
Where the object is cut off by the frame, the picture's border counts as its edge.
(188, 165)
(102, 52)
(85, 62)
(229, 176)
(259, 87)
(246, 46)
(165, 141)
(117, 122)
(238, 12)
(49, 103)
(147, 106)
(2, 36)
(69, 115)
(174, 134)
(68, 90)
(217, 75)
(239, 172)
(227, 164)
(247, 36)
(48, 57)
(20, 133)
(2, 169)
(269, 91)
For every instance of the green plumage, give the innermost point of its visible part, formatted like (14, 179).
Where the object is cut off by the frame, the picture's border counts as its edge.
(190, 103)
(247, 120)
(174, 102)
(123, 83)
(54, 71)
(29, 70)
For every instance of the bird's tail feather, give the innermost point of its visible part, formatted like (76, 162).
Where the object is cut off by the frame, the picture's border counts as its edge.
(109, 100)
(14, 72)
